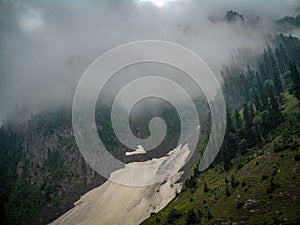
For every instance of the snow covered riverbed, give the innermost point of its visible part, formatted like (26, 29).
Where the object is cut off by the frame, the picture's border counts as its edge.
(113, 203)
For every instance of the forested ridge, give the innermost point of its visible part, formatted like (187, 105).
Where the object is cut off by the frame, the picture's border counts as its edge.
(255, 177)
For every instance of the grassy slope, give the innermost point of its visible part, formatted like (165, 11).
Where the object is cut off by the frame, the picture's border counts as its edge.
(249, 202)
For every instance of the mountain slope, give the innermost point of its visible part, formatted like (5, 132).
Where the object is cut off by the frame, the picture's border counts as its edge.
(262, 187)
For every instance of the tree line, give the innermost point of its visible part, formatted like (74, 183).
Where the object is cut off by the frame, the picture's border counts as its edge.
(254, 96)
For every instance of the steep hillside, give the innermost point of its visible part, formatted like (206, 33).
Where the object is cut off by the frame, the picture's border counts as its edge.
(262, 187)
(42, 172)
(255, 177)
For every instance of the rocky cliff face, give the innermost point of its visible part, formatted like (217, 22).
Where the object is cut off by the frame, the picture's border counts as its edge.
(59, 149)
(50, 173)
(55, 161)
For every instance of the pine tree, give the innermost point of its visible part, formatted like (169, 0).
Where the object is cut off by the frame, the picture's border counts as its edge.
(248, 118)
(282, 59)
(229, 147)
(259, 83)
(250, 74)
(262, 71)
(258, 121)
(244, 89)
(266, 66)
(275, 74)
(238, 124)
(295, 81)
(265, 102)
(284, 56)
(251, 112)
(266, 127)
(242, 146)
(257, 102)
(276, 115)
(237, 119)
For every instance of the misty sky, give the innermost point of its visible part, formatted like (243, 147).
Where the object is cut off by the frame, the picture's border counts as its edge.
(45, 46)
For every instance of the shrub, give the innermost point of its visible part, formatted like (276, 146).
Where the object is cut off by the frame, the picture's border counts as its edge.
(278, 147)
(173, 215)
(200, 213)
(157, 220)
(191, 182)
(226, 180)
(191, 217)
(239, 205)
(227, 192)
(209, 215)
(234, 182)
(240, 165)
(244, 183)
(206, 189)
(297, 157)
(272, 186)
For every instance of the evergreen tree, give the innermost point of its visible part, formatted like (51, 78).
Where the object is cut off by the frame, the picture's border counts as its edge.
(257, 102)
(250, 75)
(248, 118)
(266, 66)
(229, 147)
(275, 74)
(238, 124)
(251, 112)
(282, 59)
(265, 102)
(266, 127)
(244, 89)
(258, 121)
(295, 81)
(262, 71)
(243, 146)
(284, 56)
(275, 115)
(237, 119)
(259, 83)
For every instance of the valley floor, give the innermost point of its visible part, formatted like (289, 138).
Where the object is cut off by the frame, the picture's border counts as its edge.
(113, 203)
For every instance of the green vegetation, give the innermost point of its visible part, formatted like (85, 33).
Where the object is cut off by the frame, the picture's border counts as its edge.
(295, 76)
(256, 177)
(265, 190)
(33, 172)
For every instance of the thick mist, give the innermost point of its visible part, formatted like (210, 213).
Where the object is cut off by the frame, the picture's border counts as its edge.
(45, 46)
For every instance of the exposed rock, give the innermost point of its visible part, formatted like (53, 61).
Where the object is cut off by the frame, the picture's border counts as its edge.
(286, 196)
(255, 206)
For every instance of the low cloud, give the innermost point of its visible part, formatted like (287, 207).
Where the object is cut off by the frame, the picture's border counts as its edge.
(46, 46)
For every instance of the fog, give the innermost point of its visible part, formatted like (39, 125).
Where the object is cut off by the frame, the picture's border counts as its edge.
(45, 46)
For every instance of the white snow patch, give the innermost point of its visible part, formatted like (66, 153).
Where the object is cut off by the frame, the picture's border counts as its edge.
(140, 150)
(113, 203)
